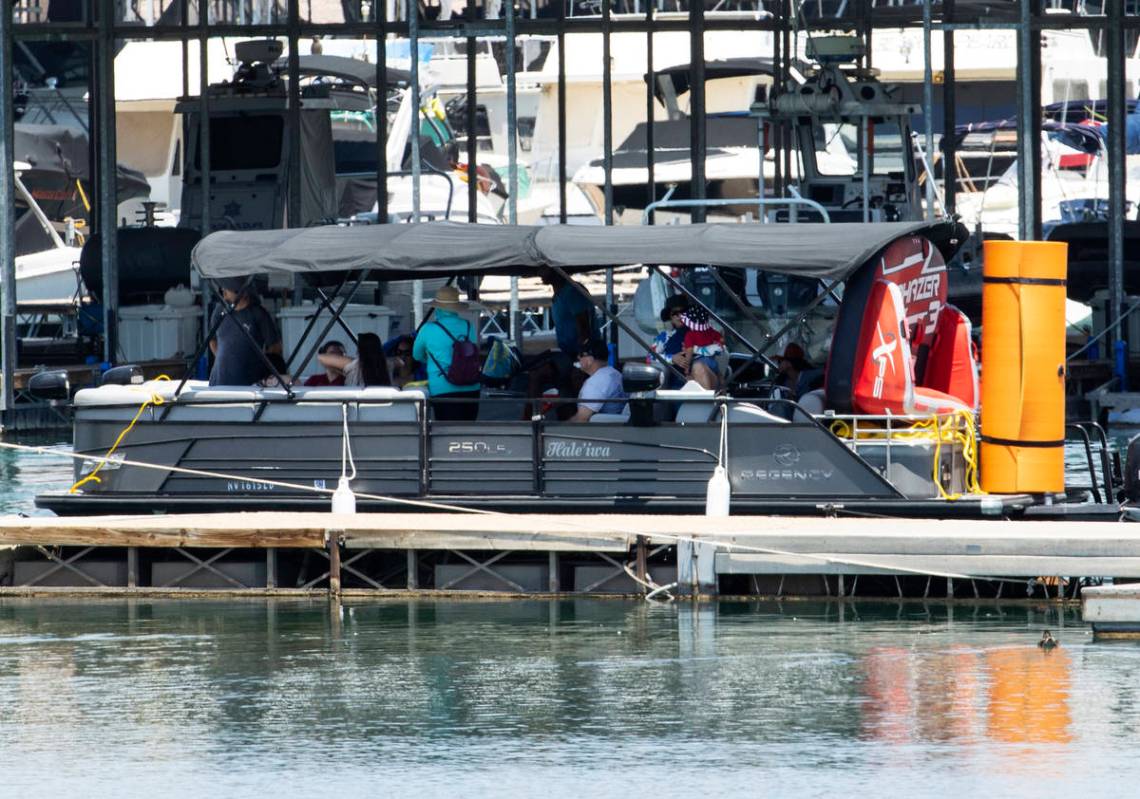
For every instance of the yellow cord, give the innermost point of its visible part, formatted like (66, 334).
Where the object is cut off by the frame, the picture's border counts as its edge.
(958, 428)
(153, 399)
(83, 195)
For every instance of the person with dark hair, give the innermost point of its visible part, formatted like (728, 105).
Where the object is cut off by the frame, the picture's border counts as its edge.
(403, 365)
(669, 342)
(240, 335)
(368, 368)
(602, 389)
(332, 376)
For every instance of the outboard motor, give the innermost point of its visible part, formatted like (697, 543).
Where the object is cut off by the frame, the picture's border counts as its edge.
(1132, 471)
(128, 375)
(52, 385)
(641, 381)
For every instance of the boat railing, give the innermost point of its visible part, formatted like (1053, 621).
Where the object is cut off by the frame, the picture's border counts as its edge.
(892, 441)
(759, 202)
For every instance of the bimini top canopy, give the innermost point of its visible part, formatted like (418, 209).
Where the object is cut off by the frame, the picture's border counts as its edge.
(437, 249)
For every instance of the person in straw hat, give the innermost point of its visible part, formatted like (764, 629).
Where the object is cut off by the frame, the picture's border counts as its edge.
(433, 346)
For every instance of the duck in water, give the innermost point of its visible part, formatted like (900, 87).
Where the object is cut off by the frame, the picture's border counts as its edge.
(1047, 641)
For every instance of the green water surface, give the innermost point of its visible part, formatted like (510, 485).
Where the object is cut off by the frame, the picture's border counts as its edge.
(559, 698)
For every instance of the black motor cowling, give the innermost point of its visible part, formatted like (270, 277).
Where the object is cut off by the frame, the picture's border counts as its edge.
(641, 381)
(1132, 471)
(50, 385)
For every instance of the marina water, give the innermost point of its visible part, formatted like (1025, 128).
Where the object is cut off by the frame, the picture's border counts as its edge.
(575, 697)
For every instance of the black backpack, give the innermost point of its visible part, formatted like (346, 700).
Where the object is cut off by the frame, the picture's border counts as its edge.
(465, 368)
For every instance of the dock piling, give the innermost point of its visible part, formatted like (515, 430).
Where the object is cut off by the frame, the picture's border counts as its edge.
(334, 563)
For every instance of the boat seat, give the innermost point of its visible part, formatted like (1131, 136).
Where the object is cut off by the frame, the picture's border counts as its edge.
(695, 405)
(745, 413)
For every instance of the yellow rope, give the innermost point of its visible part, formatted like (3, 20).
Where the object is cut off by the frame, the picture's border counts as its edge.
(958, 428)
(153, 399)
(83, 195)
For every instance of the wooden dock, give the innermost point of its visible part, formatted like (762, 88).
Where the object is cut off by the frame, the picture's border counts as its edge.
(695, 552)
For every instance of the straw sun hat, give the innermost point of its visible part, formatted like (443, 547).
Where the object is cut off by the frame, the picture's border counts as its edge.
(448, 297)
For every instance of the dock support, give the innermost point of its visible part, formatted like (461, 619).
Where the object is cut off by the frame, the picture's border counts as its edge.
(334, 564)
(696, 568)
(271, 567)
(413, 570)
(554, 584)
(642, 559)
(132, 567)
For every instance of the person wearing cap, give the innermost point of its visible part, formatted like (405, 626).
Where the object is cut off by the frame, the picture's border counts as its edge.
(669, 342)
(794, 369)
(704, 345)
(237, 360)
(433, 347)
(603, 384)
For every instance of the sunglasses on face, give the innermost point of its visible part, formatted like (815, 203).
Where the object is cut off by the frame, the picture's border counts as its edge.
(403, 352)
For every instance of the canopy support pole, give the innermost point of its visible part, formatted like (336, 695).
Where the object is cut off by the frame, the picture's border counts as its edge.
(829, 292)
(326, 302)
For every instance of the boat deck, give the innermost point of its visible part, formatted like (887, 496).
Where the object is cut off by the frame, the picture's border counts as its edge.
(541, 553)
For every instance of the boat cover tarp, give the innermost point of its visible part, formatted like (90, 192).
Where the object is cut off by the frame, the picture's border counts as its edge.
(435, 249)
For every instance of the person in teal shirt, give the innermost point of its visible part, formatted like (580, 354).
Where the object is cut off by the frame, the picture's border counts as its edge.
(433, 348)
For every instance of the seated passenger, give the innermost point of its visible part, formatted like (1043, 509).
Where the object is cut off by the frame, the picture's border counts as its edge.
(404, 368)
(368, 368)
(704, 346)
(602, 386)
(792, 365)
(669, 342)
(332, 375)
(239, 336)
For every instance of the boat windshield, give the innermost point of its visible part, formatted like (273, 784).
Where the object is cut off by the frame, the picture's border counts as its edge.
(888, 153)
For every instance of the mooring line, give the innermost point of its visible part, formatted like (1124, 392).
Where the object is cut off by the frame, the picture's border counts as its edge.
(587, 531)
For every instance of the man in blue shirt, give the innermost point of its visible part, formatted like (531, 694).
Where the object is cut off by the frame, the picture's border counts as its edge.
(433, 347)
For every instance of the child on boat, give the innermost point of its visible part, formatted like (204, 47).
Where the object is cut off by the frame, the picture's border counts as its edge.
(705, 346)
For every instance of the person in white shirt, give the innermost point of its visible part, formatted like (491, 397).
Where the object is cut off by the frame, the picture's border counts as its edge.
(603, 385)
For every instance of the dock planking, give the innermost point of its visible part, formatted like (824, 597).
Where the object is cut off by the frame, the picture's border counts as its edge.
(981, 547)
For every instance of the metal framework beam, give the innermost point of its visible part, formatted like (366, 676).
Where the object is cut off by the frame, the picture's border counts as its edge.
(1114, 35)
(7, 216)
(1029, 124)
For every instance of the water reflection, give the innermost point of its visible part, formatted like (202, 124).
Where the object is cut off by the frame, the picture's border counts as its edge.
(495, 693)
